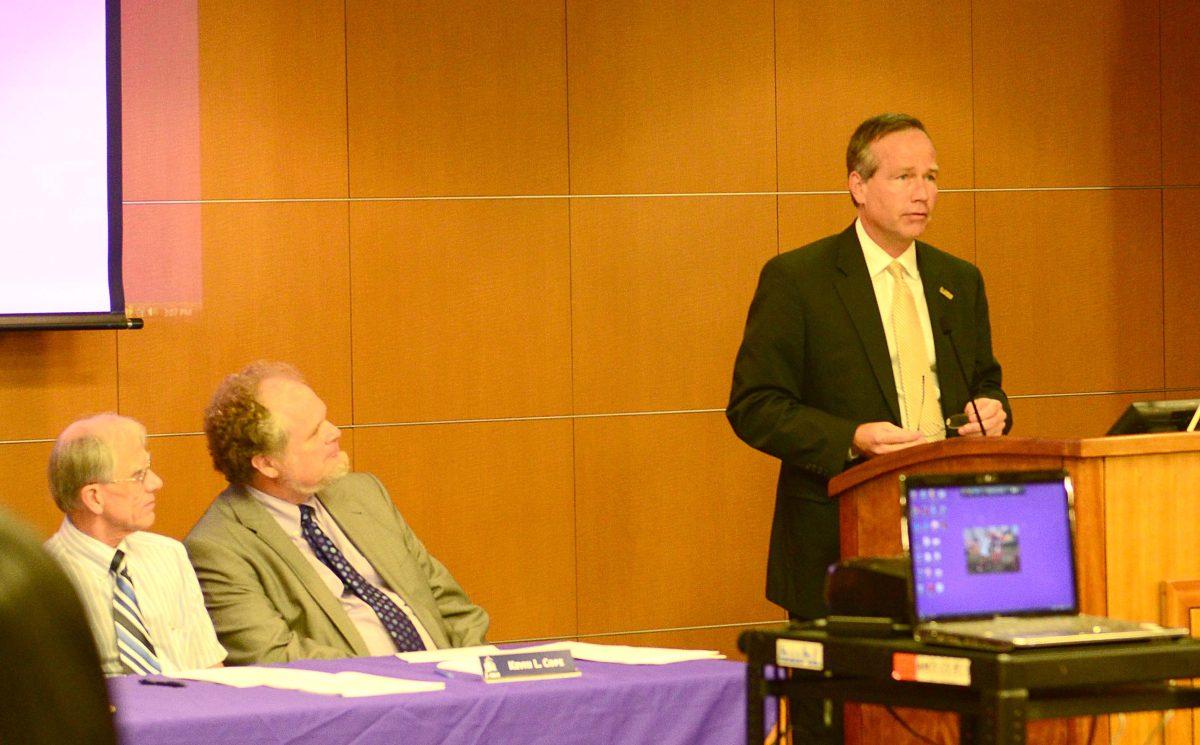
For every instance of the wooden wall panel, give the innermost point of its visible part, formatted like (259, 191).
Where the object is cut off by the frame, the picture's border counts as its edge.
(492, 502)
(836, 67)
(48, 379)
(1076, 293)
(1069, 417)
(671, 97)
(673, 515)
(1066, 94)
(1181, 268)
(465, 97)
(804, 218)
(276, 286)
(462, 309)
(659, 295)
(160, 99)
(272, 99)
(189, 482)
(1180, 92)
(25, 490)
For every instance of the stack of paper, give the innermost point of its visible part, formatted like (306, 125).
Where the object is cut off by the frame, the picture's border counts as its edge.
(346, 684)
(622, 655)
(610, 653)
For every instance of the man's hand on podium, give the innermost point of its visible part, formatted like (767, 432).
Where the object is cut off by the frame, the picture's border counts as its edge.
(878, 438)
(994, 418)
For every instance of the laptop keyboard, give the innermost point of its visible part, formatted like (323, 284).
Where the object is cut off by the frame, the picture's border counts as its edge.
(1043, 625)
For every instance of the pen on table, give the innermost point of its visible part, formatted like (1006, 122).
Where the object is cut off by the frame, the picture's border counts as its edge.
(161, 682)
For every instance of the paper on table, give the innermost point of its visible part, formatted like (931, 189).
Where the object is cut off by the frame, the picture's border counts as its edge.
(465, 665)
(450, 653)
(355, 685)
(238, 677)
(610, 653)
(347, 684)
(624, 655)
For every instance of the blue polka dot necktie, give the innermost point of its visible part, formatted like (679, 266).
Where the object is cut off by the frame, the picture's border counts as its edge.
(134, 648)
(397, 624)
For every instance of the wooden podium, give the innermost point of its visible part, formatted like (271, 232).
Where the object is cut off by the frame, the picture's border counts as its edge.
(1137, 524)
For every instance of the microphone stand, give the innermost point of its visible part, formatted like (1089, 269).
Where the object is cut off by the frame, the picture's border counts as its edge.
(962, 371)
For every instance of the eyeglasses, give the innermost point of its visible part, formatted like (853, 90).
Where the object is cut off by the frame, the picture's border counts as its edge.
(138, 477)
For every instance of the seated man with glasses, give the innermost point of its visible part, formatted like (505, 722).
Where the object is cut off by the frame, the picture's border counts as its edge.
(141, 595)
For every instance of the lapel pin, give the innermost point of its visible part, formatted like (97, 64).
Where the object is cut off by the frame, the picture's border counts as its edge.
(949, 295)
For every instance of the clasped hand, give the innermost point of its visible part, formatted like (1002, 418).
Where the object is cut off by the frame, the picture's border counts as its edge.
(878, 438)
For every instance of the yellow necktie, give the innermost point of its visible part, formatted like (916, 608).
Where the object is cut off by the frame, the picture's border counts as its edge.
(921, 408)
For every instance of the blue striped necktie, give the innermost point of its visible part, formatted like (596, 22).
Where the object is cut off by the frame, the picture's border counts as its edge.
(134, 648)
(397, 624)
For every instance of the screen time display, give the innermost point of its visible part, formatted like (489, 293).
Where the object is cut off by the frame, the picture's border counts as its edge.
(990, 549)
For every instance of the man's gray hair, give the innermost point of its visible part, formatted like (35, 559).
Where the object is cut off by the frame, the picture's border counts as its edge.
(74, 464)
(83, 455)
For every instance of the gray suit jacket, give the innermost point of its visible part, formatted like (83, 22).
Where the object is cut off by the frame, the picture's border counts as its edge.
(267, 602)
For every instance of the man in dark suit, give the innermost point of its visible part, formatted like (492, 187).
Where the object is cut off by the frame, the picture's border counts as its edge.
(847, 355)
(299, 558)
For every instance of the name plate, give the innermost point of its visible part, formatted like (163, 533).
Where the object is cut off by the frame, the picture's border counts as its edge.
(512, 666)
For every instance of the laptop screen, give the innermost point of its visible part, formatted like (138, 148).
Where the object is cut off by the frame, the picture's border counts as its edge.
(990, 544)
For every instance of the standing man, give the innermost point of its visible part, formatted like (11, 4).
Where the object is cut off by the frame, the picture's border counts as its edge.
(847, 351)
(141, 595)
(847, 355)
(301, 558)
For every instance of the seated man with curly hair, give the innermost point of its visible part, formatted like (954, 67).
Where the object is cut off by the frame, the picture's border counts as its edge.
(300, 558)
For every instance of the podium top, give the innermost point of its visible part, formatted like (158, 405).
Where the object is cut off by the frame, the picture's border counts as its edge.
(916, 459)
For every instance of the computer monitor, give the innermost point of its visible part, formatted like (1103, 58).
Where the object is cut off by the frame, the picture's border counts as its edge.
(1158, 416)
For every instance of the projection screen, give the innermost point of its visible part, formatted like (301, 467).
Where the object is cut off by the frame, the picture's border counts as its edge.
(60, 165)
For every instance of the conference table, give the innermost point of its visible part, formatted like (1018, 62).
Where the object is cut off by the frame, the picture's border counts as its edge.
(701, 701)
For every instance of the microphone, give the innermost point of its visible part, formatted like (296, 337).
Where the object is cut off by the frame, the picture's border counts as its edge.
(944, 323)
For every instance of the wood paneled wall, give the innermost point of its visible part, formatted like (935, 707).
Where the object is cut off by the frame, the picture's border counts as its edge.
(512, 246)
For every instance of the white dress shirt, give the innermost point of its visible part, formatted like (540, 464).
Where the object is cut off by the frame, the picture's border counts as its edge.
(164, 582)
(882, 280)
(372, 630)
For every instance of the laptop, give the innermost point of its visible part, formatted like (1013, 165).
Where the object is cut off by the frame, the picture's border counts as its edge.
(992, 562)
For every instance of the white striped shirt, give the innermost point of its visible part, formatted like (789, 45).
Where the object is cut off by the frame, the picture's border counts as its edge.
(168, 596)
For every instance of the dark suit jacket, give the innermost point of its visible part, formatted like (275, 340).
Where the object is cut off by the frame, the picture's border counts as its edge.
(269, 605)
(814, 364)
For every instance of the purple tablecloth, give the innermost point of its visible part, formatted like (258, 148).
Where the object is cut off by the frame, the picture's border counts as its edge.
(689, 702)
